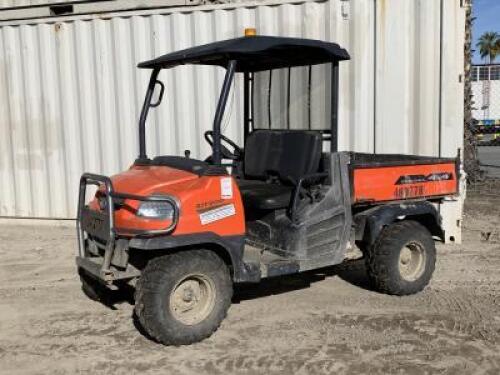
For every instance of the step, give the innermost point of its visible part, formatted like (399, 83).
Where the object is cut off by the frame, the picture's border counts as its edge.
(270, 264)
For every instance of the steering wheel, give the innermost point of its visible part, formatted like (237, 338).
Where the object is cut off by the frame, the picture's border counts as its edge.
(234, 155)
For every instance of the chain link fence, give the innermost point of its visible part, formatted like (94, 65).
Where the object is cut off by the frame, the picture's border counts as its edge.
(488, 187)
(485, 106)
(481, 155)
(482, 209)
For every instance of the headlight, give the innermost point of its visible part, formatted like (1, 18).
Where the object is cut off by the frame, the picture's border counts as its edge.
(156, 210)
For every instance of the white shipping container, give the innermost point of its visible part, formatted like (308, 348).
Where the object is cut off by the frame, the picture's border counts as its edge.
(31, 9)
(12, 4)
(27, 3)
(70, 93)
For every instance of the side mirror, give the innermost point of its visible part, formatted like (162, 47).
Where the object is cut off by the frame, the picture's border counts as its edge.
(160, 95)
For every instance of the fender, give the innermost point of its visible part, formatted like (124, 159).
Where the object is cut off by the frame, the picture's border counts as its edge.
(229, 248)
(369, 223)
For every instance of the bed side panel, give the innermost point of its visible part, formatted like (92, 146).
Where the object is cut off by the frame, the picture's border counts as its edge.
(399, 182)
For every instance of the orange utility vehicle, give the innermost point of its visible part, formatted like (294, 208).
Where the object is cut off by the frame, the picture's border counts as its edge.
(183, 230)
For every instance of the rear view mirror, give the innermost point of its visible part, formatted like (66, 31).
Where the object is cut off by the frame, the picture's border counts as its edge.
(160, 94)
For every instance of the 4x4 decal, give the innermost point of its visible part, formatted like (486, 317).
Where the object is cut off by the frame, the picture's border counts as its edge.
(416, 178)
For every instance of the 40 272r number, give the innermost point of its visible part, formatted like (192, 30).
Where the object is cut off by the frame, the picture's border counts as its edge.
(402, 192)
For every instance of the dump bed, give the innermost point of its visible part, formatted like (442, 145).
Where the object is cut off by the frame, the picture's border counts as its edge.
(392, 177)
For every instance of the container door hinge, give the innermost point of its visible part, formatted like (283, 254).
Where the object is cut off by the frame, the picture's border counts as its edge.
(345, 9)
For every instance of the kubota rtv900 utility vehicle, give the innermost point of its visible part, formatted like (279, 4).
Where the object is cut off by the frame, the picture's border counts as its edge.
(183, 230)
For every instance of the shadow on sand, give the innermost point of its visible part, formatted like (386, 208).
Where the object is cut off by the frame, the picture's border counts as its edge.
(353, 272)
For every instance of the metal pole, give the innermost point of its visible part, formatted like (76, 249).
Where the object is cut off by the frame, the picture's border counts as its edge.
(81, 204)
(288, 97)
(335, 107)
(144, 115)
(219, 112)
(252, 105)
(269, 97)
(246, 105)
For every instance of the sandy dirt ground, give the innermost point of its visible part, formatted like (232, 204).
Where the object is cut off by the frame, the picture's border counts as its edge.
(319, 323)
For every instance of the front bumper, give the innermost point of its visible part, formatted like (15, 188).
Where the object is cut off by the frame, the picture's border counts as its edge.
(102, 247)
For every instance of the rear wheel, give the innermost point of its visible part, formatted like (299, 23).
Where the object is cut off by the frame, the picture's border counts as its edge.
(182, 298)
(402, 260)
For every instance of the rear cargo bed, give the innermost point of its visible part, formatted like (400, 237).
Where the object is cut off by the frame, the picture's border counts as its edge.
(394, 177)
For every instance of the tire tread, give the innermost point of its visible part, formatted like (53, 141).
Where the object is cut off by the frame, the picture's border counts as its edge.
(380, 258)
(150, 282)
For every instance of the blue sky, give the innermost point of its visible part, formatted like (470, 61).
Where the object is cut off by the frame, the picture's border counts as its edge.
(487, 13)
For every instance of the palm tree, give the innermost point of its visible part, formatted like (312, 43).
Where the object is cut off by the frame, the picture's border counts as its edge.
(488, 45)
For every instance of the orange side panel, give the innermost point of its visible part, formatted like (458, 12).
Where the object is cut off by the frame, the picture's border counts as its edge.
(208, 198)
(388, 183)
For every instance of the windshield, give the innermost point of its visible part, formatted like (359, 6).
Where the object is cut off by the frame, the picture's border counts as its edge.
(293, 98)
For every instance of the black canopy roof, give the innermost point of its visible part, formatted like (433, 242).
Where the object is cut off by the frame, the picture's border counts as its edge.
(254, 53)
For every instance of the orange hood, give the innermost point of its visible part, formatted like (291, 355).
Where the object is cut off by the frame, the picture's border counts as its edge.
(144, 180)
(194, 194)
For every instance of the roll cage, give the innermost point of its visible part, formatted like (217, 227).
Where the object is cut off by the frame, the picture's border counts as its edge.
(246, 55)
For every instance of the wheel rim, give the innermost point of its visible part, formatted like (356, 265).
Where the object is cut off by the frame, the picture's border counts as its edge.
(412, 261)
(192, 299)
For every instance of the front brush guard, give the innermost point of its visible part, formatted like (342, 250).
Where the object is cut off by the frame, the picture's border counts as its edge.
(101, 225)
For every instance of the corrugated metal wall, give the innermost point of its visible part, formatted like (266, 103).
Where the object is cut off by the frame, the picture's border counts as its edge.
(70, 94)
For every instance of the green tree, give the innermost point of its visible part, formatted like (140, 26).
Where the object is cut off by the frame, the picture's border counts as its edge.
(489, 45)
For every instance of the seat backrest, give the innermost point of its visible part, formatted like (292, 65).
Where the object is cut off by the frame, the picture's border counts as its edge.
(285, 153)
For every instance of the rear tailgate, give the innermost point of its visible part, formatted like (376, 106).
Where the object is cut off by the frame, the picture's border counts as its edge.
(407, 178)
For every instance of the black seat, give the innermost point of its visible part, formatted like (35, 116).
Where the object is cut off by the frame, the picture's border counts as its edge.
(274, 161)
(264, 196)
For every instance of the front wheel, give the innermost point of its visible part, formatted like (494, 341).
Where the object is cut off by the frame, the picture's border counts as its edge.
(182, 298)
(402, 259)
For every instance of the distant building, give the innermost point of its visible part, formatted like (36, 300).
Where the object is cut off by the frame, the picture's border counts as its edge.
(486, 92)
